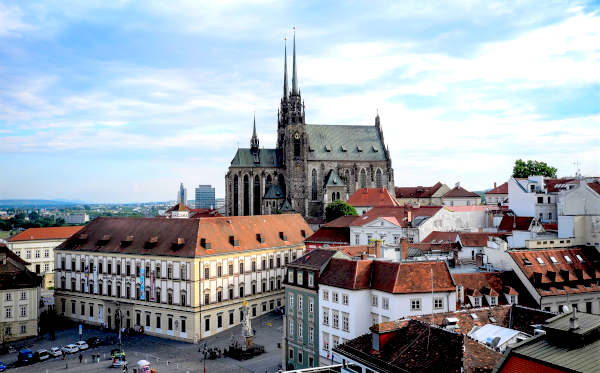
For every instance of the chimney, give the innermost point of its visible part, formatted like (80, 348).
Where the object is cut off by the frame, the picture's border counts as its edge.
(574, 320)
(378, 251)
(494, 185)
(403, 248)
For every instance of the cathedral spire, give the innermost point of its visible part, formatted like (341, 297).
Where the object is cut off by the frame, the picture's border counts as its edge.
(285, 80)
(294, 77)
(254, 140)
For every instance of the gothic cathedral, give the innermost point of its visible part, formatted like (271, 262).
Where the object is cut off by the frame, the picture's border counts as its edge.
(312, 165)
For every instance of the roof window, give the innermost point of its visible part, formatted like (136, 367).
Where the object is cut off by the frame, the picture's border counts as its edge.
(539, 260)
(283, 236)
(178, 243)
(474, 316)
(374, 148)
(152, 241)
(553, 259)
(359, 148)
(260, 238)
(327, 148)
(233, 241)
(204, 243)
(526, 262)
(581, 260)
(303, 232)
(311, 149)
(343, 148)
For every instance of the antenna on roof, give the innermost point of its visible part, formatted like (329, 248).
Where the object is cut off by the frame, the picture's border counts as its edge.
(578, 171)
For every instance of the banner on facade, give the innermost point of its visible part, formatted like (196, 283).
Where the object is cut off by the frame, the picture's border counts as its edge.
(95, 279)
(142, 284)
(152, 286)
(85, 278)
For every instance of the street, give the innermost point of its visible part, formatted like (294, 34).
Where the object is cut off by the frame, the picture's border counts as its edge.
(165, 355)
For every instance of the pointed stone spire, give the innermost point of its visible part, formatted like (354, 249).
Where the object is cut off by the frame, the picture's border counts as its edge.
(254, 143)
(377, 120)
(285, 79)
(294, 77)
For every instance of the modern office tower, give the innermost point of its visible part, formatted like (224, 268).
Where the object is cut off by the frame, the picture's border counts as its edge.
(205, 197)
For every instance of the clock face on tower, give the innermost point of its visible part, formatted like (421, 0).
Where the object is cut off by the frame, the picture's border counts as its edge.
(297, 136)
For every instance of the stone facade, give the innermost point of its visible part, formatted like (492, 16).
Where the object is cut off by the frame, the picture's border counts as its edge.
(297, 175)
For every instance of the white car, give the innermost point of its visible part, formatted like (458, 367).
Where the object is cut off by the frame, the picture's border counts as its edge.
(81, 345)
(42, 355)
(70, 349)
(55, 351)
(119, 363)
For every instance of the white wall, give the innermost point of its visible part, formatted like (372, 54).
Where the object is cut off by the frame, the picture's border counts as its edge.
(379, 228)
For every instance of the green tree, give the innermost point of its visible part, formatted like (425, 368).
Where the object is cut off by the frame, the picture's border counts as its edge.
(338, 208)
(530, 168)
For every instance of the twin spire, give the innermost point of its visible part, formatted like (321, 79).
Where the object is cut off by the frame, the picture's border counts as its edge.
(294, 74)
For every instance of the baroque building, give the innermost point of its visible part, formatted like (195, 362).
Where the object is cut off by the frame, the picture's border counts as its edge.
(311, 166)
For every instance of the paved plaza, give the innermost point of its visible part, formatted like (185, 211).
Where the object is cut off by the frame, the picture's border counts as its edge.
(165, 355)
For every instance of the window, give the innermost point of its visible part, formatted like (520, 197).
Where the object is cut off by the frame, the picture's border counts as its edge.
(325, 341)
(291, 276)
(357, 239)
(291, 354)
(92, 310)
(241, 267)
(579, 258)
(183, 300)
(219, 296)
(438, 303)
(291, 301)
(299, 356)
(82, 309)
(278, 262)
(325, 316)
(553, 259)
(23, 295)
(263, 264)
(219, 321)
(540, 200)
(477, 301)
(128, 269)
(147, 319)
(169, 296)
(311, 361)
(241, 291)
(568, 259)
(311, 334)
(526, 262)
(374, 318)
(8, 297)
(300, 330)
(183, 274)
(7, 331)
(345, 299)
(206, 298)
(385, 303)
(299, 277)
(219, 271)
(109, 265)
(37, 254)
(169, 271)
(8, 313)
(206, 272)
(28, 254)
(182, 324)
(335, 319)
(230, 269)
(291, 328)
(415, 304)
(325, 295)
(335, 296)
(549, 216)
(231, 317)
(374, 300)
(206, 324)
(73, 307)
(311, 305)
(230, 293)
(300, 302)
(158, 298)
(253, 266)
(345, 322)
(119, 269)
(46, 253)
(23, 329)
(493, 301)
(540, 260)
(253, 289)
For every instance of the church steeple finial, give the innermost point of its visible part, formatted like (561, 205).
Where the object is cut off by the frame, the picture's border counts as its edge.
(285, 79)
(294, 77)
(254, 143)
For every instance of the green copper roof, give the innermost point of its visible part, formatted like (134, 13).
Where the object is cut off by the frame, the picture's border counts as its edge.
(344, 143)
(267, 158)
(333, 180)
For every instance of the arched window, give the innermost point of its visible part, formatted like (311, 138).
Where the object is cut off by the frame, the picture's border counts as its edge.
(379, 178)
(281, 182)
(269, 182)
(246, 196)
(296, 147)
(363, 178)
(347, 180)
(235, 196)
(256, 196)
(314, 185)
(338, 195)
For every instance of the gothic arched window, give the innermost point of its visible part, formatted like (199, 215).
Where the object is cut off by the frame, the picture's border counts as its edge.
(256, 196)
(246, 196)
(296, 147)
(379, 178)
(314, 185)
(363, 178)
(235, 195)
(281, 182)
(269, 182)
(347, 180)
(338, 195)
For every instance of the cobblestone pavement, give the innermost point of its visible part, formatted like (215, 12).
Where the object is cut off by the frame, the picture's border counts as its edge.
(165, 355)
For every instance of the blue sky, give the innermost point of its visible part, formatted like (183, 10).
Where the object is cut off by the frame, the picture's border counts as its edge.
(111, 101)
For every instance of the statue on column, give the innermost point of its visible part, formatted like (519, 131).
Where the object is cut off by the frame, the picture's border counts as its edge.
(247, 331)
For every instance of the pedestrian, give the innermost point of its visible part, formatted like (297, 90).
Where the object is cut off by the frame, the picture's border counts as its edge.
(80, 358)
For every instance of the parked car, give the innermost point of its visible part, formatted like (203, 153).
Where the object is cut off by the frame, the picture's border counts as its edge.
(55, 351)
(81, 345)
(2, 367)
(94, 342)
(25, 356)
(70, 349)
(119, 363)
(117, 354)
(41, 355)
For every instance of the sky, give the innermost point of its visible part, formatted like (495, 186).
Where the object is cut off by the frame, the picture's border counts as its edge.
(120, 101)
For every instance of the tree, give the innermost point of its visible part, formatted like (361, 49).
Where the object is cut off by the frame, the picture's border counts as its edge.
(530, 168)
(339, 208)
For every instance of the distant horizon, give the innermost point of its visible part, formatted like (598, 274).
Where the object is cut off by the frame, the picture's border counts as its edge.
(121, 101)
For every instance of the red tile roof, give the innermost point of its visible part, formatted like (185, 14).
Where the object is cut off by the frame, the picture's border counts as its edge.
(399, 213)
(562, 277)
(179, 207)
(353, 250)
(518, 223)
(14, 273)
(500, 189)
(418, 191)
(372, 197)
(391, 277)
(331, 235)
(482, 283)
(477, 239)
(203, 213)
(458, 192)
(440, 237)
(189, 237)
(341, 222)
(595, 186)
(555, 185)
(49, 233)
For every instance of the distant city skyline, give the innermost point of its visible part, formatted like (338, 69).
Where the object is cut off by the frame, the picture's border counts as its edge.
(122, 101)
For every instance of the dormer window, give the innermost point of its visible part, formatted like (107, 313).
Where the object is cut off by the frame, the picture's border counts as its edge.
(283, 236)
(476, 301)
(260, 238)
(327, 148)
(233, 241)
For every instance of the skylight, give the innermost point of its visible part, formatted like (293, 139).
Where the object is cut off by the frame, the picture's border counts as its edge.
(540, 260)
(568, 259)
(526, 262)
(579, 258)
(553, 259)
(474, 316)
